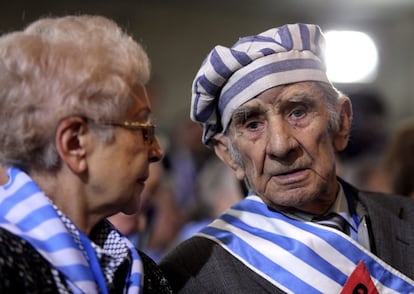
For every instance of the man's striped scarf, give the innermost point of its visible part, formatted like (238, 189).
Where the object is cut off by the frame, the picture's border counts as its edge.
(27, 212)
(301, 257)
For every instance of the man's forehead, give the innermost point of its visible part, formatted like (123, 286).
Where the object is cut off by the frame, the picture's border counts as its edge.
(286, 93)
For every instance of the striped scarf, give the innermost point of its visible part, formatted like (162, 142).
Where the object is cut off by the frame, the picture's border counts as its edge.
(301, 257)
(28, 213)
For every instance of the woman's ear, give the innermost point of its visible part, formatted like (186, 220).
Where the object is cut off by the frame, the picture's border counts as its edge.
(70, 143)
(222, 151)
(341, 135)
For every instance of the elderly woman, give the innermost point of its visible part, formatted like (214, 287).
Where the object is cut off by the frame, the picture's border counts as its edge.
(76, 142)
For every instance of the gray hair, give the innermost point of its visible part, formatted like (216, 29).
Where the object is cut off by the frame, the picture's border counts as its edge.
(60, 67)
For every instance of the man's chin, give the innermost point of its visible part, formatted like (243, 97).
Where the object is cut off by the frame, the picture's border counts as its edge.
(296, 199)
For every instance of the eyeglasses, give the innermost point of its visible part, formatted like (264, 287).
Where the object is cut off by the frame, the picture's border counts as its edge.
(147, 128)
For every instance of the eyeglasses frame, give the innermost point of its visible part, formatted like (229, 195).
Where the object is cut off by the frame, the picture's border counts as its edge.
(147, 128)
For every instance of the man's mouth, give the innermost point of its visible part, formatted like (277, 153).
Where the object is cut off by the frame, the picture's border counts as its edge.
(290, 172)
(291, 175)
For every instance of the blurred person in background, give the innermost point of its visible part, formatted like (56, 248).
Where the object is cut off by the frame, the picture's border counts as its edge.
(399, 160)
(166, 224)
(153, 229)
(164, 219)
(362, 161)
(184, 159)
(217, 190)
(272, 115)
(76, 142)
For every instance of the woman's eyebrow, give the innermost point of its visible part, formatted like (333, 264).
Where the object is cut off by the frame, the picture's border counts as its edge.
(143, 114)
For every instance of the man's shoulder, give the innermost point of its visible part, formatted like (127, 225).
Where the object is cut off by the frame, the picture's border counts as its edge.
(200, 264)
(154, 279)
(194, 250)
(386, 201)
(374, 200)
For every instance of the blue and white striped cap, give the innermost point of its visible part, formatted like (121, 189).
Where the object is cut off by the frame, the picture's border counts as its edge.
(232, 76)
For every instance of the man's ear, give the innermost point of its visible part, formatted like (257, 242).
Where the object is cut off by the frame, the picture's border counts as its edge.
(69, 140)
(222, 151)
(341, 135)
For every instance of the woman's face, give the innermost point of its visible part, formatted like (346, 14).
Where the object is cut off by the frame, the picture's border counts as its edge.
(119, 170)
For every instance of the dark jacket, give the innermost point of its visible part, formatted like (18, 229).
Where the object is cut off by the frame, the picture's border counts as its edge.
(200, 265)
(24, 270)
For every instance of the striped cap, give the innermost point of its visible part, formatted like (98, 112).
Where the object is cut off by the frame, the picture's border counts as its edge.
(232, 76)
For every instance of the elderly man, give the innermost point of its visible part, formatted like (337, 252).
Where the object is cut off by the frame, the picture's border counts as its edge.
(271, 114)
(76, 142)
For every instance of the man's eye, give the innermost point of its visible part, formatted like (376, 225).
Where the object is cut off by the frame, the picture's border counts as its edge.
(252, 125)
(298, 113)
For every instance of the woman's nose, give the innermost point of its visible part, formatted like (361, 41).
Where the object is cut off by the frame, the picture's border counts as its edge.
(156, 152)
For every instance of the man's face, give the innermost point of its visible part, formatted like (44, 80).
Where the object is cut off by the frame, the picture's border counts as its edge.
(286, 148)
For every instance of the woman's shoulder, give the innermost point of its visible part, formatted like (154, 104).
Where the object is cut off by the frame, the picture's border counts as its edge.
(19, 259)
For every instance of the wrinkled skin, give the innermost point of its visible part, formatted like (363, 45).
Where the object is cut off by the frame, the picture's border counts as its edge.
(286, 148)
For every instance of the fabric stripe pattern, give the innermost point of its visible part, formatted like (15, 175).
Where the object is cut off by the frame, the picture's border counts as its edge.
(232, 76)
(26, 212)
(297, 256)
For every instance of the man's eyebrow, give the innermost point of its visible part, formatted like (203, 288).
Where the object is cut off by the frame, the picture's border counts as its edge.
(299, 96)
(252, 108)
(302, 98)
(289, 96)
(246, 111)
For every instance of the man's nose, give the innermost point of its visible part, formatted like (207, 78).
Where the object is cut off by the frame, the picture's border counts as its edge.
(280, 138)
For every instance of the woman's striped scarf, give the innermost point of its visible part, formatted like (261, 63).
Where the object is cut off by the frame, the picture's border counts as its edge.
(301, 257)
(27, 212)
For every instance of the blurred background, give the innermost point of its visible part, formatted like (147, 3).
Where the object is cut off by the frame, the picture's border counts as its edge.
(189, 187)
(178, 34)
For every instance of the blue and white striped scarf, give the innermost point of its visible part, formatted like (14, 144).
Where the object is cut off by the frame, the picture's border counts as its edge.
(296, 256)
(26, 211)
